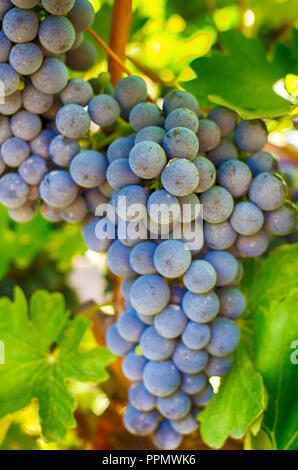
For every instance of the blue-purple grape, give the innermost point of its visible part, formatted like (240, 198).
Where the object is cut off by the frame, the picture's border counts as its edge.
(246, 218)
(232, 302)
(104, 110)
(147, 159)
(33, 169)
(281, 221)
(25, 58)
(219, 236)
(51, 77)
(140, 398)
(161, 379)
(154, 346)
(180, 99)
(14, 151)
(225, 265)
(207, 173)
(181, 142)
(193, 383)
(188, 360)
(172, 258)
(261, 162)
(77, 91)
(224, 337)
(200, 277)
(149, 294)
(20, 26)
(235, 176)
(13, 191)
(224, 151)
(252, 245)
(133, 366)
(130, 91)
(267, 191)
(145, 114)
(170, 323)
(88, 168)
(226, 119)
(141, 258)
(58, 189)
(200, 308)
(251, 136)
(130, 326)
(218, 205)
(152, 133)
(140, 423)
(180, 177)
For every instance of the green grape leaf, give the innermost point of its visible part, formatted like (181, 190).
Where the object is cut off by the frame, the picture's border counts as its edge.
(240, 400)
(273, 304)
(43, 350)
(64, 243)
(260, 385)
(240, 78)
(288, 55)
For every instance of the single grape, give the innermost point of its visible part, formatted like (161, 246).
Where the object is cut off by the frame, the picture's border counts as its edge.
(177, 406)
(56, 7)
(5, 5)
(247, 218)
(13, 191)
(226, 119)
(225, 265)
(267, 191)
(232, 302)
(88, 168)
(165, 437)
(62, 150)
(52, 214)
(209, 135)
(200, 277)
(252, 245)
(200, 308)
(77, 91)
(81, 15)
(104, 110)
(118, 345)
(172, 258)
(140, 398)
(177, 293)
(24, 213)
(25, 58)
(141, 258)
(20, 25)
(51, 77)
(154, 347)
(193, 384)
(129, 326)
(163, 207)
(5, 46)
(82, 58)
(186, 425)
(207, 173)
(182, 117)
(202, 399)
(224, 337)
(131, 203)
(12, 104)
(149, 294)
(58, 189)
(235, 176)
(180, 99)
(251, 136)
(218, 366)
(130, 91)
(5, 131)
(196, 336)
(14, 151)
(170, 323)
(147, 159)
(77, 43)
(120, 148)
(73, 121)
(152, 133)
(219, 236)
(180, 177)
(162, 379)
(94, 243)
(119, 174)
(189, 361)
(35, 101)
(118, 259)
(40, 145)
(9, 80)
(261, 162)
(25, 125)
(181, 142)
(140, 423)
(133, 366)
(217, 205)
(145, 114)
(33, 169)
(281, 221)
(76, 211)
(224, 151)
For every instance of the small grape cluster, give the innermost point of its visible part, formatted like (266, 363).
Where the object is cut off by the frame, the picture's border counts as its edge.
(181, 299)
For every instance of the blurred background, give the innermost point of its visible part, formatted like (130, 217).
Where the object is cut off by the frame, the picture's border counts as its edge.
(166, 36)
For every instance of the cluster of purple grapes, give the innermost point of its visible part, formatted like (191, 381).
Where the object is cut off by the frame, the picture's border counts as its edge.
(181, 299)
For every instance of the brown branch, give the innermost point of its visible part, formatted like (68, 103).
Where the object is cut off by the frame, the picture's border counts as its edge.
(109, 51)
(120, 31)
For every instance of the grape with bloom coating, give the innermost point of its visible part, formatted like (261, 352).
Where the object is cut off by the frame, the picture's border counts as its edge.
(13, 190)
(181, 142)
(73, 121)
(171, 322)
(88, 168)
(104, 110)
(152, 133)
(145, 114)
(9, 79)
(14, 151)
(177, 406)
(247, 218)
(207, 173)
(118, 345)
(33, 169)
(180, 99)
(251, 136)
(51, 77)
(188, 360)
(120, 148)
(219, 236)
(82, 58)
(118, 259)
(200, 277)
(130, 326)
(58, 189)
(252, 245)
(218, 366)
(154, 346)
(196, 336)
(200, 308)
(81, 15)
(119, 174)
(131, 202)
(130, 91)
(281, 221)
(99, 245)
(40, 145)
(232, 302)
(209, 135)
(202, 399)
(192, 384)
(262, 161)
(163, 207)
(235, 176)
(267, 191)
(149, 294)
(20, 26)
(141, 258)
(225, 118)
(182, 117)
(147, 159)
(140, 423)
(161, 378)
(180, 177)
(224, 151)
(62, 150)
(36, 101)
(25, 58)
(171, 258)
(76, 211)
(225, 265)
(140, 398)
(77, 91)
(56, 7)
(24, 213)
(224, 337)
(217, 205)
(5, 47)
(25, 125)
(133, 366)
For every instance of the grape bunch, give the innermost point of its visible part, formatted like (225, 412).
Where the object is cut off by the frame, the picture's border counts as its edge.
(181, 291)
